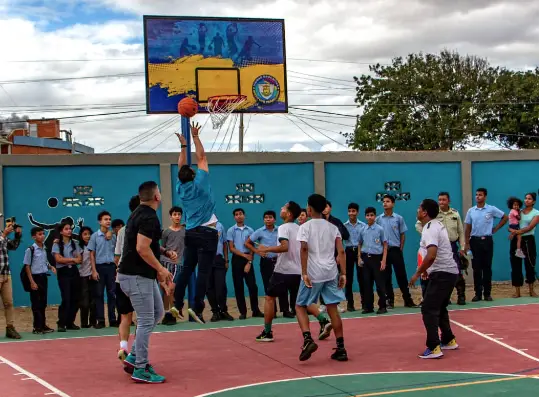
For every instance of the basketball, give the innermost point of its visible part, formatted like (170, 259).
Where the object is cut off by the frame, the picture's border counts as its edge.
(187, 107)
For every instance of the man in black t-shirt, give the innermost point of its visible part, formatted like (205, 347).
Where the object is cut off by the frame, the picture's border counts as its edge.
(139, 269)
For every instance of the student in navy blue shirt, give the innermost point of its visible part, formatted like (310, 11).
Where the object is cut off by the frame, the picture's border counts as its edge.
(194, 191)
(37, 268)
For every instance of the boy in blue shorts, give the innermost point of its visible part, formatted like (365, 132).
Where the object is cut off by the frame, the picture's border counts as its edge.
(320, 276)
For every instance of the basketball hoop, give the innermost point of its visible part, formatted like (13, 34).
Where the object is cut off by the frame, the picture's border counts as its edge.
(220, 107)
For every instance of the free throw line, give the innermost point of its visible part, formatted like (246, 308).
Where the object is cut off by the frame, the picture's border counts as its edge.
(30, 375)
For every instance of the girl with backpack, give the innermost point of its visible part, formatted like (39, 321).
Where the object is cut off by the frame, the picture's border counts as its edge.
(68, 257)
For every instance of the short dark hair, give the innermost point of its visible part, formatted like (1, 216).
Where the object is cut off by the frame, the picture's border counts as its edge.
(389, 196)
(134, 202)
(146, 190)
(303, 210)
(533, 194)
(513, 200)
(117, 222)
(102, 214)
(329, 203)
(294, 209)
(270, 213)
(444, 194)
(175, 209)
(370, 210)
(431, 208)
(238, 210)
(317, 202)
(36, 230)
(186, 174)
(353, 206)
(482, 190)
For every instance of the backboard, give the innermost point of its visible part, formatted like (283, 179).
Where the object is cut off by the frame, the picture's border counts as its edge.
(201, 57)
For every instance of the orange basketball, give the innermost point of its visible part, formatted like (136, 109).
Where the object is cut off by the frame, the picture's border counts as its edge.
(187, 107)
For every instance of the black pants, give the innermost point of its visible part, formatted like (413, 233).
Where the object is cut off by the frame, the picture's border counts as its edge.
(69, 283)
(482, 251)
(267, 266)
(238, 275)
(434, 308)
(372, 274)
(38, 299)
(217, 286)
(351, 264)
(200, 248)
(395, 260)
(461, 283)
(106, 282)
(86, 302)
(530, 250)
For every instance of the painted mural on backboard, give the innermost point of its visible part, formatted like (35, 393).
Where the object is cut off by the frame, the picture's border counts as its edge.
(201, 57)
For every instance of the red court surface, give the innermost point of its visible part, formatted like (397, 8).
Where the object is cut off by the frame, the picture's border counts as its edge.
(206, 361)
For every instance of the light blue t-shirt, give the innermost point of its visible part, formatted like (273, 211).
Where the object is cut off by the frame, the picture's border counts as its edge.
(372, 239)
(482, 219)
(526, 219)
(38, 264)
(393, 226)
(238, 235)
(197, 200)
(69, 252)
(354, 231)
(267, 238)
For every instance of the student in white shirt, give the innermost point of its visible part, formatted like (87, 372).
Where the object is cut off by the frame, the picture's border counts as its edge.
(320, 277)
(442, 269)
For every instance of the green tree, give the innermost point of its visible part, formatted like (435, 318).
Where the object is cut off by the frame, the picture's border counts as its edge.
(425, 102)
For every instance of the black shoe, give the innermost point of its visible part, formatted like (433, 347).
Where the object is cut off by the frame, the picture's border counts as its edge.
(390, 305)
(38, 332)
(258, 314)
(410, 304)
(225, 316)
(100, 326)
(215, 318)
(350, 308)
(73, 327)
(265, 337)
(289, 315)
(340, 354)
(461, 301)
(114, 324)
(47, 329)
(367, 311)
(489, 298)
(325, 330)
(382, 310)
(308, 348)
(243, 317)
(85, 326)
(169, 319)
(476, 298)
(62, 329)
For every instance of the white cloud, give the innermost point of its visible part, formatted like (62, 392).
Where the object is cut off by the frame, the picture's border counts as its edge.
(298, 147)
(334, 147)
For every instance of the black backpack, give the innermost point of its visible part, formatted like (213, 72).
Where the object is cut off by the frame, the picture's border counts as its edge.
(24, 277)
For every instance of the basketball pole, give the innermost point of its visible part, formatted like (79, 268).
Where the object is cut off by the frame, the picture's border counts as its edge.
(241, 132)
(186, 132)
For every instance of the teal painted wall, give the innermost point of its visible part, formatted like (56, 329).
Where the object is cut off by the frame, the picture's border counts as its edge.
(28, 189)
(279, 183)
(360, 182)
(502, 180)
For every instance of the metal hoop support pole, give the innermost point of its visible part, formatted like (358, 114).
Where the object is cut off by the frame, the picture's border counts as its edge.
(186, 132)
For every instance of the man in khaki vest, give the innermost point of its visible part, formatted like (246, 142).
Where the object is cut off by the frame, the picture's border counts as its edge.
(452, 221)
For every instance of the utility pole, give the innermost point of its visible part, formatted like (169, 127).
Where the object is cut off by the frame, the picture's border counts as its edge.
(240, 146)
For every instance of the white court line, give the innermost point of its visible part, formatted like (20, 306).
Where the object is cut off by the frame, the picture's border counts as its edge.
(392, 314)
(513, 349)
(30, 375)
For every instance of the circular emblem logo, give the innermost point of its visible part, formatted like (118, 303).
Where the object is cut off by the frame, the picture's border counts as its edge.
(266, 89)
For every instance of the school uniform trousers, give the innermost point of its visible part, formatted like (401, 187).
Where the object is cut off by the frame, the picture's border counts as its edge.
(351, 264)
(238, 276)
(530, 250)
(395, 260)
(38, 300)
(69, 283)
(86, 302)
(373, 275)
(217, 290)
(482, 251)
(267, 267)
(107, 281)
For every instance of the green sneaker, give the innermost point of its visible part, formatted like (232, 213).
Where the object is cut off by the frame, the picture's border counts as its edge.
(147, 375)
(129, 363)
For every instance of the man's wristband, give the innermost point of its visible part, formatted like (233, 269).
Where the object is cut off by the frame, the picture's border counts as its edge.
(184, 146)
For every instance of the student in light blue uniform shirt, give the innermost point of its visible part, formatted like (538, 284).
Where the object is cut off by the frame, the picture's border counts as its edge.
(394, 230)
(373, 254)
(354, 227)
(478, 231)
(242, 264)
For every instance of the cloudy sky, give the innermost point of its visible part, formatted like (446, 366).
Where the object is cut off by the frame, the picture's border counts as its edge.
(328, 42)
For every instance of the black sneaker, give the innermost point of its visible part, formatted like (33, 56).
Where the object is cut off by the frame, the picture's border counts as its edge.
(410, 304)
(169, 319)
(489, 298)
(62, 329)
(289, 315)
(325, 330)
(339, 354)
(265, 337)
(382, 310)
(73, 327)
(461, 301)
(308, 348)
(114, 324)
(258, 314)
(196, 316)
(216, 317)
(99, 325)
(350, 308)
(47, 329)
(390, 305)
(476, 298)
(243, 316)
(38, 332)
(226, 316)
(367, 311)
(85, 326)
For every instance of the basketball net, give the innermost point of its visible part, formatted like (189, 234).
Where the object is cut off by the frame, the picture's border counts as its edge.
(220, 107)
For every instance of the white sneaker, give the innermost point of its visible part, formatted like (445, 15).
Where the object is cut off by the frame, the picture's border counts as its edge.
(322, 309)
(520, 254)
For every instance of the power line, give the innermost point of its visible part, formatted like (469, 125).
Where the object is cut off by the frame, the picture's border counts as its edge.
(84, 115)
(320, 111)
(320, 132)
(302, 130)
(322, 77)
(324, 121)
(151, 135)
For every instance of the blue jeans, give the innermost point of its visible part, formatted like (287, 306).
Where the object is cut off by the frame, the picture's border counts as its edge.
(146, 300)
(107, 276)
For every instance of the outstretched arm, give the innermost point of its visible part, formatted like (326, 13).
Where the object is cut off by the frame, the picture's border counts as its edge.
(182, 160)
(41, 225)
(202, 161)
